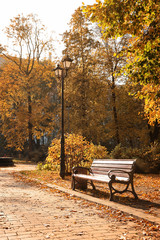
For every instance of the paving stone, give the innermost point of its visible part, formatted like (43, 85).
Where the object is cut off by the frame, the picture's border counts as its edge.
(30, 213)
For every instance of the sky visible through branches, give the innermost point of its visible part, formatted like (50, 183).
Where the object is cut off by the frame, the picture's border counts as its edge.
(55, 15)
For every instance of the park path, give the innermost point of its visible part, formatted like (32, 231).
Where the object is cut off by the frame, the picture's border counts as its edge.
(29, 212)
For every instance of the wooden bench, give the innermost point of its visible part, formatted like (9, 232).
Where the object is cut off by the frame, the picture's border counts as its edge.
(6, 161)
(109, 171)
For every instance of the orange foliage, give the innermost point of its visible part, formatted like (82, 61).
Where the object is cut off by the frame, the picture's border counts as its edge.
(15, 88)
(78, 151)
(151, 94)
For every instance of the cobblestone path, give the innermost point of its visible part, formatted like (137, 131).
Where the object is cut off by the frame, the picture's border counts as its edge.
(29, 212)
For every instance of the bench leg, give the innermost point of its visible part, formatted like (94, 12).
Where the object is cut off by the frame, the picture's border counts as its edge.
(133, 191)
(93, 186)
(111, 193)
(118, 191)
(73, 183)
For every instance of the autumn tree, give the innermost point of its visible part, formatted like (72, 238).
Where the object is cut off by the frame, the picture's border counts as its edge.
(1, 48)
(133, 128)
(140, 19)
(25, 81)
(14, 103)
(100, 61)
(83, 90)
(111, 58)
(122, 120)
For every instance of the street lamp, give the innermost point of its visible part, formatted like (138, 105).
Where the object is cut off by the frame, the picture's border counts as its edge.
(61, 73)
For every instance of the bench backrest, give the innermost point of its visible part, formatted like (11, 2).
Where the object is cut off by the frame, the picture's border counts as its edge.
(103, 166)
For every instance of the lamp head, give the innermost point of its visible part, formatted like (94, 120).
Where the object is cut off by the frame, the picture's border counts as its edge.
(58, 71)
(67, 62)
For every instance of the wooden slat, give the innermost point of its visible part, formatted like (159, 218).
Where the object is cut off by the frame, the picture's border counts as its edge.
(116, 174)
(108, 169)
(101, 167)
(92, 177)
(112, 166)
(99, 178)
(113, 163)
(109, 159)
(101, 161)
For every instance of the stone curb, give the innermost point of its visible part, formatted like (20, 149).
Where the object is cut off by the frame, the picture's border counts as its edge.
(126, 209)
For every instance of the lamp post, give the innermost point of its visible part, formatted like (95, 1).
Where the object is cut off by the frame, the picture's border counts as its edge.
(61, 73)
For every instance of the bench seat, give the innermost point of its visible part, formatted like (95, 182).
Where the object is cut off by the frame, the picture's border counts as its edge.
(108, 171)
(101, 178)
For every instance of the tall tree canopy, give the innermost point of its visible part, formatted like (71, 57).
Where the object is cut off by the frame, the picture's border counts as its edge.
(25, 82)
(94, 101)
(111, 59)
(84, 91)
(141, 20)
(15, 88)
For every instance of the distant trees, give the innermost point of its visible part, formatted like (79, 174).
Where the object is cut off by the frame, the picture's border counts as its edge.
(25, 103)
(84, 92)
(26, 83)
(96, 88)
(141, 20)
(112, 58)
(111, 91)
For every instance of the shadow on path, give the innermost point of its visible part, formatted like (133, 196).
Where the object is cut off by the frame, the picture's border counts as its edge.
(142, 204)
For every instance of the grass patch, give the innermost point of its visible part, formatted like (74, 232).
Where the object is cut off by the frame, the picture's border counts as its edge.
(22, 161)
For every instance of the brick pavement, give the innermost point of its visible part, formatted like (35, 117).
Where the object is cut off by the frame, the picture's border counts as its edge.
(30, 213)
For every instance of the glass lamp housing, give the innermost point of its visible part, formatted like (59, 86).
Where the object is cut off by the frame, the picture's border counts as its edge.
(58, 71)
(67, 62)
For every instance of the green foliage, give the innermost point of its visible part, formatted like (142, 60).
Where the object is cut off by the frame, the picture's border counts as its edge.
(47, 166)
(78, 152)
(139, 19)
(97, 106)
(152, 157)
(148, 159)
(117, 152)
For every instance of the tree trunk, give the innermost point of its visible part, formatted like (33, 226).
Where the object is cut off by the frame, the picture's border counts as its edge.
(155, 133)
(30, 133)
(115, 111)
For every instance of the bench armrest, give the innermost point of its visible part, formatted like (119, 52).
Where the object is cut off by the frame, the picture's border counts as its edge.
(76, 170)
(113, 176)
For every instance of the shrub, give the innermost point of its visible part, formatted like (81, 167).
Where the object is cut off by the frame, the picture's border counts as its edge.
(78, 152)
(152, 157)
(148, 159)
(37, 155)
(117, 152)
(44, 166)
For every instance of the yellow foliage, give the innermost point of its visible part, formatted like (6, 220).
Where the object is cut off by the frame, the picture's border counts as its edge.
(78, 151)
(15, 87)
(139, 19)
(151, 94)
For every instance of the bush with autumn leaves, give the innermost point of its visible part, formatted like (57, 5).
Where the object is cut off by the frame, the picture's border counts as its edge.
(78, 152)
